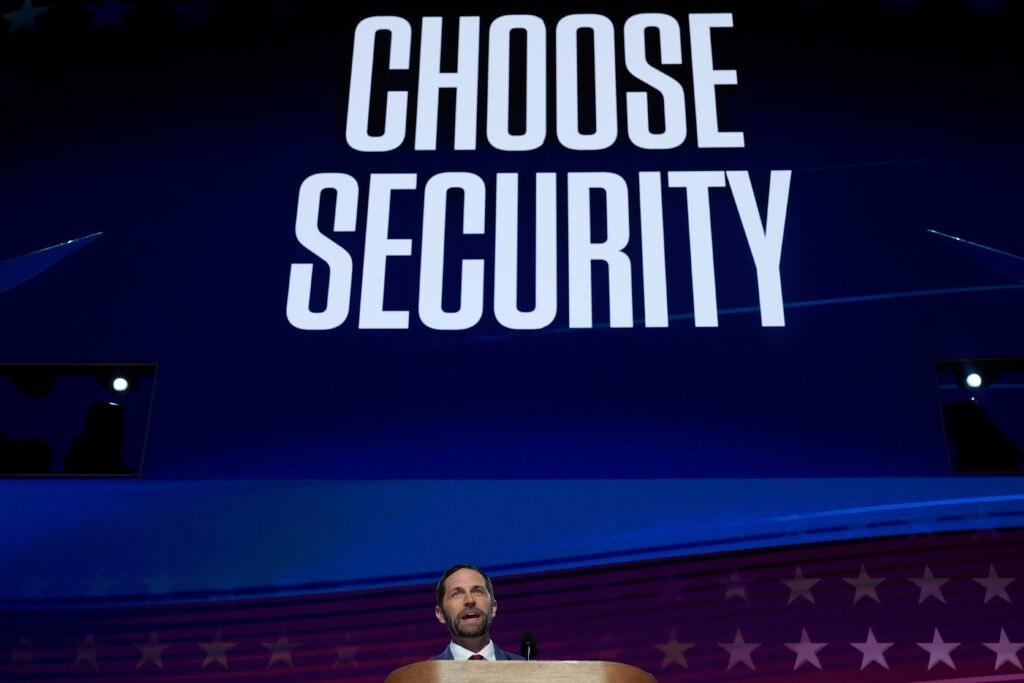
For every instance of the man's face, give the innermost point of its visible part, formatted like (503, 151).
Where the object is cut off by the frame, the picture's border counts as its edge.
(467, 608)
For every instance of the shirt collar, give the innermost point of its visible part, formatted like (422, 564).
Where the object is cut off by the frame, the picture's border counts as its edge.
(460, 653)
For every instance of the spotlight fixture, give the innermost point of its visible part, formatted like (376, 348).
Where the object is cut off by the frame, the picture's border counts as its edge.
(119, 384)
(973, 380)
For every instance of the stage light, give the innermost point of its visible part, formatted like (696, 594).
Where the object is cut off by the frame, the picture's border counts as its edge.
(119, 384)
(973, 380)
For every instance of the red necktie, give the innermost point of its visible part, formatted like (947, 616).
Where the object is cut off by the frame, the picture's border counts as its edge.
(475, 658)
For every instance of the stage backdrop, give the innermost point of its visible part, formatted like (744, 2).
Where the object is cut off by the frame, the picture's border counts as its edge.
(542, 287)
(579, 241)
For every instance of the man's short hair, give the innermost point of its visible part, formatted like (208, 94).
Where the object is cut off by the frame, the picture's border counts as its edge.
(454, 568)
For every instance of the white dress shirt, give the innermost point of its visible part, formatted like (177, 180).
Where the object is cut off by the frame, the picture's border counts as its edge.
(461, 654)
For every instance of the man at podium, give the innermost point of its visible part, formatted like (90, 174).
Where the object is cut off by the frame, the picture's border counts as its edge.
(466, 605)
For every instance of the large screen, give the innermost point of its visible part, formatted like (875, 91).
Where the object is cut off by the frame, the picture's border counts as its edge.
(717, 239)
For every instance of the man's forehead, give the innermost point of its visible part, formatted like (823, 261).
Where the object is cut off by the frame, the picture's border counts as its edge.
(462, 578)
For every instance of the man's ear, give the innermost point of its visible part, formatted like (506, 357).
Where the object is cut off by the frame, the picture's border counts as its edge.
(439, 615)
(494, 608)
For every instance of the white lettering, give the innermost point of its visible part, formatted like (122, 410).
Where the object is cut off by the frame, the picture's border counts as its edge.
(583, 251)
(498, 83)
(705, 78)
(471, 295)
(764, 238)
(377, 250)
(339, 263)
(674, 100)
(702, 256)
(358, 123)
(506, 251)
(567, 87)
(463, 80)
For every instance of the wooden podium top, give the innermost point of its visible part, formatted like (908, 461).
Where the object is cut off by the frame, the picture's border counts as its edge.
(439, 671)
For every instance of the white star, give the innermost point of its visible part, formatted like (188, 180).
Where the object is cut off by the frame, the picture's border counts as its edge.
(280, 651)
(1006, 652)
(995, 586)
(151, 652)
(86, 652)
(216, 651)
(872, 651)
(25, 17)
(938, 651)
(865, 586)
(735, 586)
(799, 587)
(931, 586)
(739, 651)
(675, 652)
(806, 651)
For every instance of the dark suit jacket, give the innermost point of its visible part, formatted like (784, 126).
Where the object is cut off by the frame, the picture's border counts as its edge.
(499, 654)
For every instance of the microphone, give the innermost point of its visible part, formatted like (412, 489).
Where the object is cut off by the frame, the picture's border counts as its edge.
(528, 646)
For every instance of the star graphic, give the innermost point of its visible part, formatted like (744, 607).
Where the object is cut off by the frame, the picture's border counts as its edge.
(25, 17)
(151, 652)
(800, 587)
(346, 655)
(995, 586)
(1006, 652)
(872, 651)
(110, 13)
(86, 652)
(739, 651)
(735, 586)
(216, 651)
(931, 586)
(939, 651)
(806, 651)
(864, 586)
(280, 651)
(675, 652)
(22, 654)
(34, 587)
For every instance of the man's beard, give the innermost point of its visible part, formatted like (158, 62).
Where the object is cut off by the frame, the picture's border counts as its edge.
(456, 628)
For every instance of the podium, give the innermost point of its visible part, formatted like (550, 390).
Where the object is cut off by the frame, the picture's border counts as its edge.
(439, 671)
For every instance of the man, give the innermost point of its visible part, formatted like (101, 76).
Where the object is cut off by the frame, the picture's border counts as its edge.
(466, 605)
